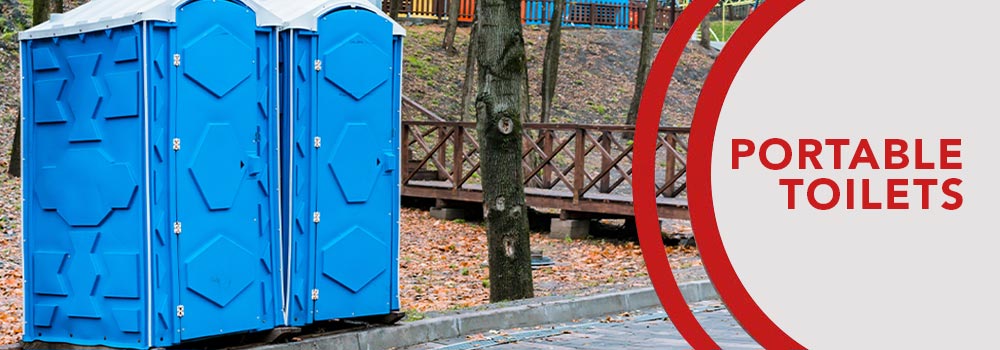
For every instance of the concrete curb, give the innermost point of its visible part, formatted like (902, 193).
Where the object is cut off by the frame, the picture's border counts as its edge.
(454, 326)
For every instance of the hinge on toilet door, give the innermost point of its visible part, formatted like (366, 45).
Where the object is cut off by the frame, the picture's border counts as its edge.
(177, 144)
(316, 217)
(317, 142)
(177, 228)
(177, 60)
(318, 65)
(180, 311)
(315, 294)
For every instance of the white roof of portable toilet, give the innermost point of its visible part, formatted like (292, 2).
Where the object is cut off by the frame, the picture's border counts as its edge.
(303, 14)
(104, 14)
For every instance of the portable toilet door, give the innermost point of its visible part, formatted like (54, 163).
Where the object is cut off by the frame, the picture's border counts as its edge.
(149, 131)
(341, 70)
(223, 156)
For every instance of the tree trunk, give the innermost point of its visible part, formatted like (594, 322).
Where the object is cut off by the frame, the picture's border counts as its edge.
(501, 66)
(451, 27)
(706, 32)
(394, 6)
(673, 12)
(525, 92)
(14, 167)
(58, 6)
(550, 64)
(645, 59)
(470, 66)
(40, 10)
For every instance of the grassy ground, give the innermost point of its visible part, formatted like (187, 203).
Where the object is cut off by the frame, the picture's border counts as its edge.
(725, 29)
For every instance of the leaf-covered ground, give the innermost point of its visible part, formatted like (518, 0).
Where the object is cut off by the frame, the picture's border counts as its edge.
(11, 292)
(443, 264)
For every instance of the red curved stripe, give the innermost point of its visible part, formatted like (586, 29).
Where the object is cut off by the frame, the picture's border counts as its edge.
(713, 252)
(644, 200)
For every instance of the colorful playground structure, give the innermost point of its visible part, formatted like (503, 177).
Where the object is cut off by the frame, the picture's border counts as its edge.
(616, 14)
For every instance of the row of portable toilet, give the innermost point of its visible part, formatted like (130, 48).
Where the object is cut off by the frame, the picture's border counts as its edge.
(208, 167)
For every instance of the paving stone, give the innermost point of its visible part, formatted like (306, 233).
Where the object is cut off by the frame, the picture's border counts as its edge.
(629, 334)
(574, 229)
(448, 213)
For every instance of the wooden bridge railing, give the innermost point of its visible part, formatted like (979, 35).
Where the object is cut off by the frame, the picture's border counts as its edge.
(584, 162)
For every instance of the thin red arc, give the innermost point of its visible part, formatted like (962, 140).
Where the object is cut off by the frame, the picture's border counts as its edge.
(644, 200)
(717, 263)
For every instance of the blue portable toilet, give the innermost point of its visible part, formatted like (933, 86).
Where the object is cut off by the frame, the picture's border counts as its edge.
(150, 209)
(341, 70)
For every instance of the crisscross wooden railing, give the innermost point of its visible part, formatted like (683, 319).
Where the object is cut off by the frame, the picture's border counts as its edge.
(571, 161)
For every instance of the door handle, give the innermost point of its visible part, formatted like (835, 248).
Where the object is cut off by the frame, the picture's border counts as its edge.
(389, 162)
(252, 164)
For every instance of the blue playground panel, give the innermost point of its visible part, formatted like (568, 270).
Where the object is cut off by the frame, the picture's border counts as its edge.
(150, 203)
(539, 12)
(341, 101)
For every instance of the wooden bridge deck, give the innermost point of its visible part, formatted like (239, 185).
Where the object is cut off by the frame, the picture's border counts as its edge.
(595, 203)
(574, 168)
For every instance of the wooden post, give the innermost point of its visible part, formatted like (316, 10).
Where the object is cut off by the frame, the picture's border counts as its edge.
(579, 165)
(548, 169)
(605, 186)
(670, 170)
(529, 160)
(442, 154)
(459, 156)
